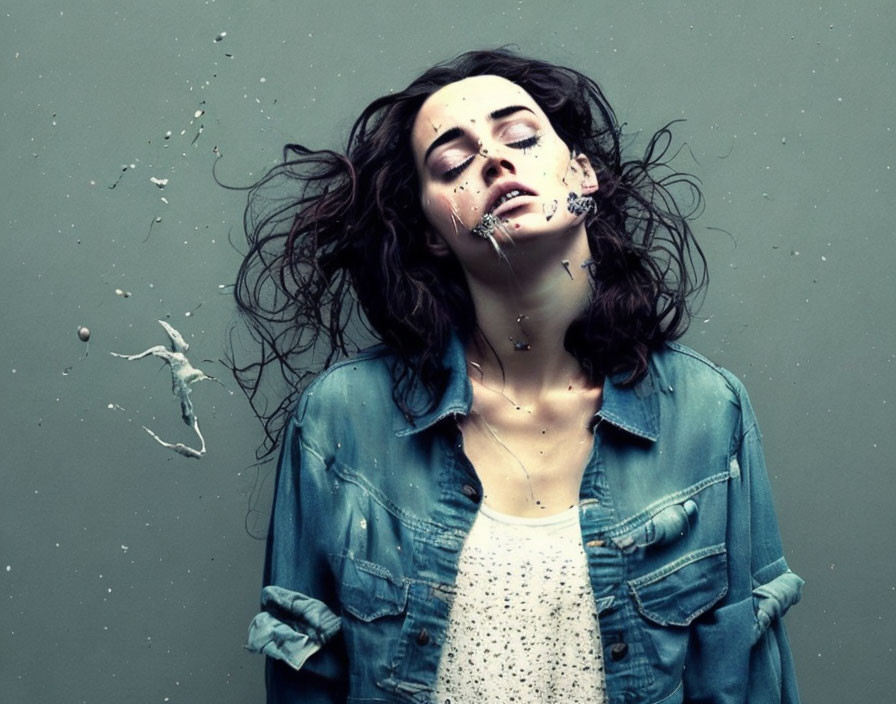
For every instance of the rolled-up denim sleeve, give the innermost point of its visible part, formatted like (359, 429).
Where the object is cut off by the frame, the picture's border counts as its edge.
(298, 628)
(740, 652)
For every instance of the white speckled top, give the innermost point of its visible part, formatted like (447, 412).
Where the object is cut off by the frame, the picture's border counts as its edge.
(523, 627)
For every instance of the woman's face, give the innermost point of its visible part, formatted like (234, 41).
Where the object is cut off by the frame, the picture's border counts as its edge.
(483, 146)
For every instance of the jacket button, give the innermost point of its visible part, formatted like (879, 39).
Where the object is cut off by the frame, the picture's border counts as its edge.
(470, 492)
(423, 637)
(618, 651)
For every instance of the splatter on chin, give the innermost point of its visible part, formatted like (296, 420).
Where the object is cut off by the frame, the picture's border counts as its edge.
(485, 229)
(486, 226)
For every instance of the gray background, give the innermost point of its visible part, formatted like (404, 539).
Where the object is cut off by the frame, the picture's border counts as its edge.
(127, 572)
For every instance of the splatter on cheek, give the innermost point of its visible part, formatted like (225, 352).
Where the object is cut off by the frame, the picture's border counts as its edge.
(579, 205)
(445, 207)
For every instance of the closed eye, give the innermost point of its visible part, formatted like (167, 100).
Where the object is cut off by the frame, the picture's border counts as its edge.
(525, 143)
(456, 171)
(453, 173)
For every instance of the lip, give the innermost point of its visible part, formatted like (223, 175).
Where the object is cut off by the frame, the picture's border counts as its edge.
(503, 188)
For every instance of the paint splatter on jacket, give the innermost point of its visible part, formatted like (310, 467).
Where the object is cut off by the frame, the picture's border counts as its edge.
(371, 511)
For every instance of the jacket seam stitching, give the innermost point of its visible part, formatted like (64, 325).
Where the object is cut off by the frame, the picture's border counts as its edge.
(414, 522)
(677, 497)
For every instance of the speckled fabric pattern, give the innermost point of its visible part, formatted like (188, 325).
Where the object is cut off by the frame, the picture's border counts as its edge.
(523, 626)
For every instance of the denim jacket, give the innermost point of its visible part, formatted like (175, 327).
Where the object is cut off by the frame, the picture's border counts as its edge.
(371, 511)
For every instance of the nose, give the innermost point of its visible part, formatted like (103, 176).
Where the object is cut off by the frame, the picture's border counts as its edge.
(496, 165)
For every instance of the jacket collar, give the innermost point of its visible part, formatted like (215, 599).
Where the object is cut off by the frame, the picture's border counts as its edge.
(633, 409)
(457, 398)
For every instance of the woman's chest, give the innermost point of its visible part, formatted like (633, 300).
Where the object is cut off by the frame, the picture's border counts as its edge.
(530, 459)
(529, 465)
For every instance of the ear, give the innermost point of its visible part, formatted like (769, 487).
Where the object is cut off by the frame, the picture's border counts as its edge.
(589, 178)
(435, 244)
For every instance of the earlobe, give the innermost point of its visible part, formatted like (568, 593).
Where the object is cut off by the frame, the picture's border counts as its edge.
(590, 186)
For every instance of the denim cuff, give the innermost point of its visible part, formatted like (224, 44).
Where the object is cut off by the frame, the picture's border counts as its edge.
(772, 599)
(291, 626)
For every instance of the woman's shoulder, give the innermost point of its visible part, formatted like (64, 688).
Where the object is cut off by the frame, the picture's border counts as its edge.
(363, 380)
(679, 366)
(701, 389)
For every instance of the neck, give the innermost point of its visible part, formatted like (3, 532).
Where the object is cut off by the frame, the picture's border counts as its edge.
(523, 311)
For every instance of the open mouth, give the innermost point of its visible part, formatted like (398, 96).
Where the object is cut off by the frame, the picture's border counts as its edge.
(507, 197)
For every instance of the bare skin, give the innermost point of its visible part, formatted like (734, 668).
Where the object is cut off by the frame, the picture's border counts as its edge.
(527, 435)
(530, 461)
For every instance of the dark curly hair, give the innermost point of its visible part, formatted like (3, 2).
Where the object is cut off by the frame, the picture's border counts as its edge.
(338, 259)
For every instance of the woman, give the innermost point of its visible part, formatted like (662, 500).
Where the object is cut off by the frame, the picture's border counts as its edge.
(527, 492)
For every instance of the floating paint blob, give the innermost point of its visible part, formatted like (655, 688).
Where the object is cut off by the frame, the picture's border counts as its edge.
(183, 375)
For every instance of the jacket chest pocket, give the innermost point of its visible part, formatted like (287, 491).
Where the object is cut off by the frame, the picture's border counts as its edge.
(677, 593)
(374, 605)
(370, 592)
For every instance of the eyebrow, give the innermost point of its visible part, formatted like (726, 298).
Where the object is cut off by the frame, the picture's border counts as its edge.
(504, 112)
(456, 132)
